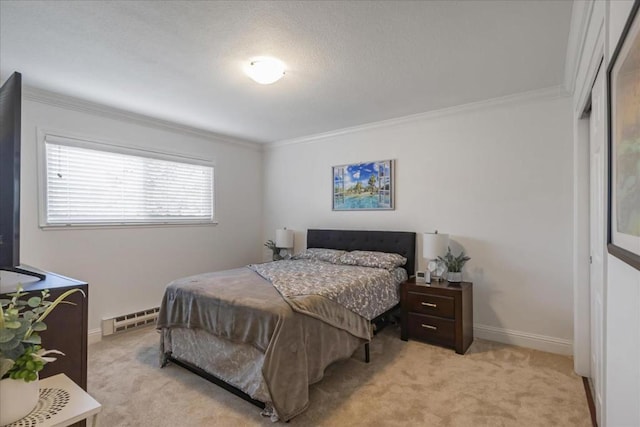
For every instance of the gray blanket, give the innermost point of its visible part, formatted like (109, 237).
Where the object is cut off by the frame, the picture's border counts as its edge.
(241, 306)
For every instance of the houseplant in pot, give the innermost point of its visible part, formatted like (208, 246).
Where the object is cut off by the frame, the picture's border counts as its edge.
(454, 265)
(22, 355)
(270, 244)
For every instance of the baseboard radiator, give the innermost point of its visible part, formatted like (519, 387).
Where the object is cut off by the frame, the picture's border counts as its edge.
(129, 321)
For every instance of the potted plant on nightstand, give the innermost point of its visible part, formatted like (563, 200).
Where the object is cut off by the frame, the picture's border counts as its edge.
(21, 353)
(276, 250)
(454, 265)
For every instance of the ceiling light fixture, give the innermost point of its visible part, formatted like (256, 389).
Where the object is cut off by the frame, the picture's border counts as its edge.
(265, 70)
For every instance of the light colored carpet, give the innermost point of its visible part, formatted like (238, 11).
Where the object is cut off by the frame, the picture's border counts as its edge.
(406, 384)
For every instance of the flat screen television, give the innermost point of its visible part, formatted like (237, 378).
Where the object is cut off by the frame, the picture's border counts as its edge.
(10, 124)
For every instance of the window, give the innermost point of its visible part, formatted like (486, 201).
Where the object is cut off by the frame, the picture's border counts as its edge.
(87, 183)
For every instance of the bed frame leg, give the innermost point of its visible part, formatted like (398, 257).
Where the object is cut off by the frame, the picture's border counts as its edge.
(366, 352)
(164, 359)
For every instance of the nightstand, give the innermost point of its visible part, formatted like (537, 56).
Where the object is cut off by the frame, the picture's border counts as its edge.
(439, 313)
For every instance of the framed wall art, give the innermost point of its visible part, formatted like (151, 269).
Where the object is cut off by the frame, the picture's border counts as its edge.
(623, 78)
(363, 186)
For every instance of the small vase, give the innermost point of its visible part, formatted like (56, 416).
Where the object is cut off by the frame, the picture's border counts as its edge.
(18, 399)
(454, 276)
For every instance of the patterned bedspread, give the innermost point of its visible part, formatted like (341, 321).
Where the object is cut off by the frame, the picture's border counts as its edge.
(366, 291)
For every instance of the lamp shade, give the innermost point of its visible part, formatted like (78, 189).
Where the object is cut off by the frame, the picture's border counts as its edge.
(284, 238)
(434, 245)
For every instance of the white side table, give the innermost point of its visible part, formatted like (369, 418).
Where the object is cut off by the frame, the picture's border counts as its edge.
(62, 403)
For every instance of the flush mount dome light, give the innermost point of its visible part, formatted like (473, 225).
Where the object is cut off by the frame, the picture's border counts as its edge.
(265, 70)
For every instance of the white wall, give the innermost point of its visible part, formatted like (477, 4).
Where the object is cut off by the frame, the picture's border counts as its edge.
(622, 290)
(497, 177)
(622, 369)
(128, 268)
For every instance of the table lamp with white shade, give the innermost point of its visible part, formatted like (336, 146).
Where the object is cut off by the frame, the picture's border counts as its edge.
(284, 240)
(434, 245)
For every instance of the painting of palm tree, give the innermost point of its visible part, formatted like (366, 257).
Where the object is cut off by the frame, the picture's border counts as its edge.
(363, 186)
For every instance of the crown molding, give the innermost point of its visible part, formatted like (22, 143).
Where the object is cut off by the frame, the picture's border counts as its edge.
(535, 95)
(72, 103)
(581, 12)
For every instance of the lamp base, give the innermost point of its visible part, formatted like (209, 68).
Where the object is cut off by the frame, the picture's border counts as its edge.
(284, 253)
(437, 269)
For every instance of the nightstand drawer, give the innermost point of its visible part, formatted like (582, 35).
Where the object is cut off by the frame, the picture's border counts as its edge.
(431, 328)
(434, 305)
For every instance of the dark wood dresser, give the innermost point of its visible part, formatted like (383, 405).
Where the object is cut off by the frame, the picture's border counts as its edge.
(439, 313)
(66, 327)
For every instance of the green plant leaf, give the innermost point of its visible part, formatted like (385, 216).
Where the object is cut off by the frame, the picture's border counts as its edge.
(14, 324)
(34, 302)
(16, 294)
(6, 335)
(13, 349)
(33, 339)
(29, 315)
(39, 326)
(53, 305)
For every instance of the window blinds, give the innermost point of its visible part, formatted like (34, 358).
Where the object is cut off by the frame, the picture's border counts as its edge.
(95, 184)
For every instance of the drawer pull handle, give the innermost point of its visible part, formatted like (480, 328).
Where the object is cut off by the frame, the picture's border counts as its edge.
(429, 304)
(429, 327)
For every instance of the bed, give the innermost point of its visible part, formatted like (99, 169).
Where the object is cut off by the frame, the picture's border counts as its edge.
(266, 332)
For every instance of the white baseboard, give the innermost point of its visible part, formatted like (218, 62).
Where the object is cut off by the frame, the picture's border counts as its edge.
(523, 339)
(95, 335)
(483, 332)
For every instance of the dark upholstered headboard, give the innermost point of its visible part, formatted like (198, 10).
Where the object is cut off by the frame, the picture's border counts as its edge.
(399, 242)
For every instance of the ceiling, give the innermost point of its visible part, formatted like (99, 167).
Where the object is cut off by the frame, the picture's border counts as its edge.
(348, 63)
